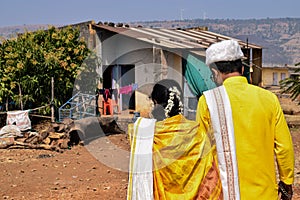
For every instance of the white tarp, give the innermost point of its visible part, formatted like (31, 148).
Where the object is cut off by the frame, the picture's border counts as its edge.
(10, 131)
(19, 118)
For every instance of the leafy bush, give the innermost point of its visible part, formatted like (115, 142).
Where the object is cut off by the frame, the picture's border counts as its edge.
(28, 62)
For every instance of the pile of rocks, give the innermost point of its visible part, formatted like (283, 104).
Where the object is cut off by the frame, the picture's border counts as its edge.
(59, 136)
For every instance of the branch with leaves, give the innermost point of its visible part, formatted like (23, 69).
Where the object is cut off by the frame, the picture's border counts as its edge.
(291, 85)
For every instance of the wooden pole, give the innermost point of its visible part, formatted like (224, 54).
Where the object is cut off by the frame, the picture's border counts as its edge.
(20, 95)
(6, 104)
(52, 100)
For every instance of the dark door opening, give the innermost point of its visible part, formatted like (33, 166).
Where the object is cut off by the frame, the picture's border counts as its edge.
(120, 79)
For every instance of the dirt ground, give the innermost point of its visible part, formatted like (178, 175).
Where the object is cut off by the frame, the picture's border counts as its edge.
(97, 170)
(77, 173)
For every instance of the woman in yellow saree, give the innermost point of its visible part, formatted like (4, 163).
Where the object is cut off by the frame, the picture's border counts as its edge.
(171, 158)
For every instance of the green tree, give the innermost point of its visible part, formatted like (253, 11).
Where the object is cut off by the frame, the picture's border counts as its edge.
(291, 85)
(28, 62)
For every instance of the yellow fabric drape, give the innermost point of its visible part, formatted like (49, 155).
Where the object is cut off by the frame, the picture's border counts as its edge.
(184, 162)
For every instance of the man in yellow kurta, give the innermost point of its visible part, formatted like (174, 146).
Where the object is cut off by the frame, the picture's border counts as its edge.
(260, 130)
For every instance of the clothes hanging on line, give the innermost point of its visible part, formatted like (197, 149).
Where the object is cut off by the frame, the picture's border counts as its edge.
(107, 95)
(128, 89)
(134, 86)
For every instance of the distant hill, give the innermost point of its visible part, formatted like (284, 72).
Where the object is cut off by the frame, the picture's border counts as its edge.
(12, 31)
(280, 37)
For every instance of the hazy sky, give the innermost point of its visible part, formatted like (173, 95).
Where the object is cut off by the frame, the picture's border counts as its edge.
(62, 12)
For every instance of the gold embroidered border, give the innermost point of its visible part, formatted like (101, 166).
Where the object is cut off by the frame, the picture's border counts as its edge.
(226, 143)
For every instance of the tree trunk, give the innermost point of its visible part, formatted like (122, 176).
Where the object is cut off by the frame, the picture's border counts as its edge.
(6, 104)
(20, 96)
(52, 100)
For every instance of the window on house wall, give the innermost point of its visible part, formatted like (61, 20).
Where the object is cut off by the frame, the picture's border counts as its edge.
(283, 76)
(190, 102)
(275, 78)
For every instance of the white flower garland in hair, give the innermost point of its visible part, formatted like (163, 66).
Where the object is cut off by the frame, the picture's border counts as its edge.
(173, 91)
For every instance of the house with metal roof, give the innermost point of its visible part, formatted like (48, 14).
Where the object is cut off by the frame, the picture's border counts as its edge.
(134, 58)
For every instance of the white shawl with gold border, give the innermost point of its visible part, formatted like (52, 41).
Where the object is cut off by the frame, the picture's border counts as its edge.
(140, 185)
(221, 117)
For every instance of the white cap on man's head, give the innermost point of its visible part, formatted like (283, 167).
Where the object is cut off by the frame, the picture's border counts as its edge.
(227, 50)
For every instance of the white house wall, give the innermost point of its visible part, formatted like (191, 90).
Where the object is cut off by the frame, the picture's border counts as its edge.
(117, 46)
(121, 50)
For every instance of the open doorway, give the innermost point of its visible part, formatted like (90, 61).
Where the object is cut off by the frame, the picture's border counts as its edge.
(120, 80)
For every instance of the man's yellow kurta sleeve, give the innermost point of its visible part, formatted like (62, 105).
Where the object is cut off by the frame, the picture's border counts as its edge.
(203, 118)
(283, 148)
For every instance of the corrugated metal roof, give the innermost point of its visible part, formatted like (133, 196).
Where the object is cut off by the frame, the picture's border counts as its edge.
(208, 38)
(192, 39)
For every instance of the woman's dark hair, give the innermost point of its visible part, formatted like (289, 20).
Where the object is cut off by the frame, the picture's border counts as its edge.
(161, 95)
(227, 67)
